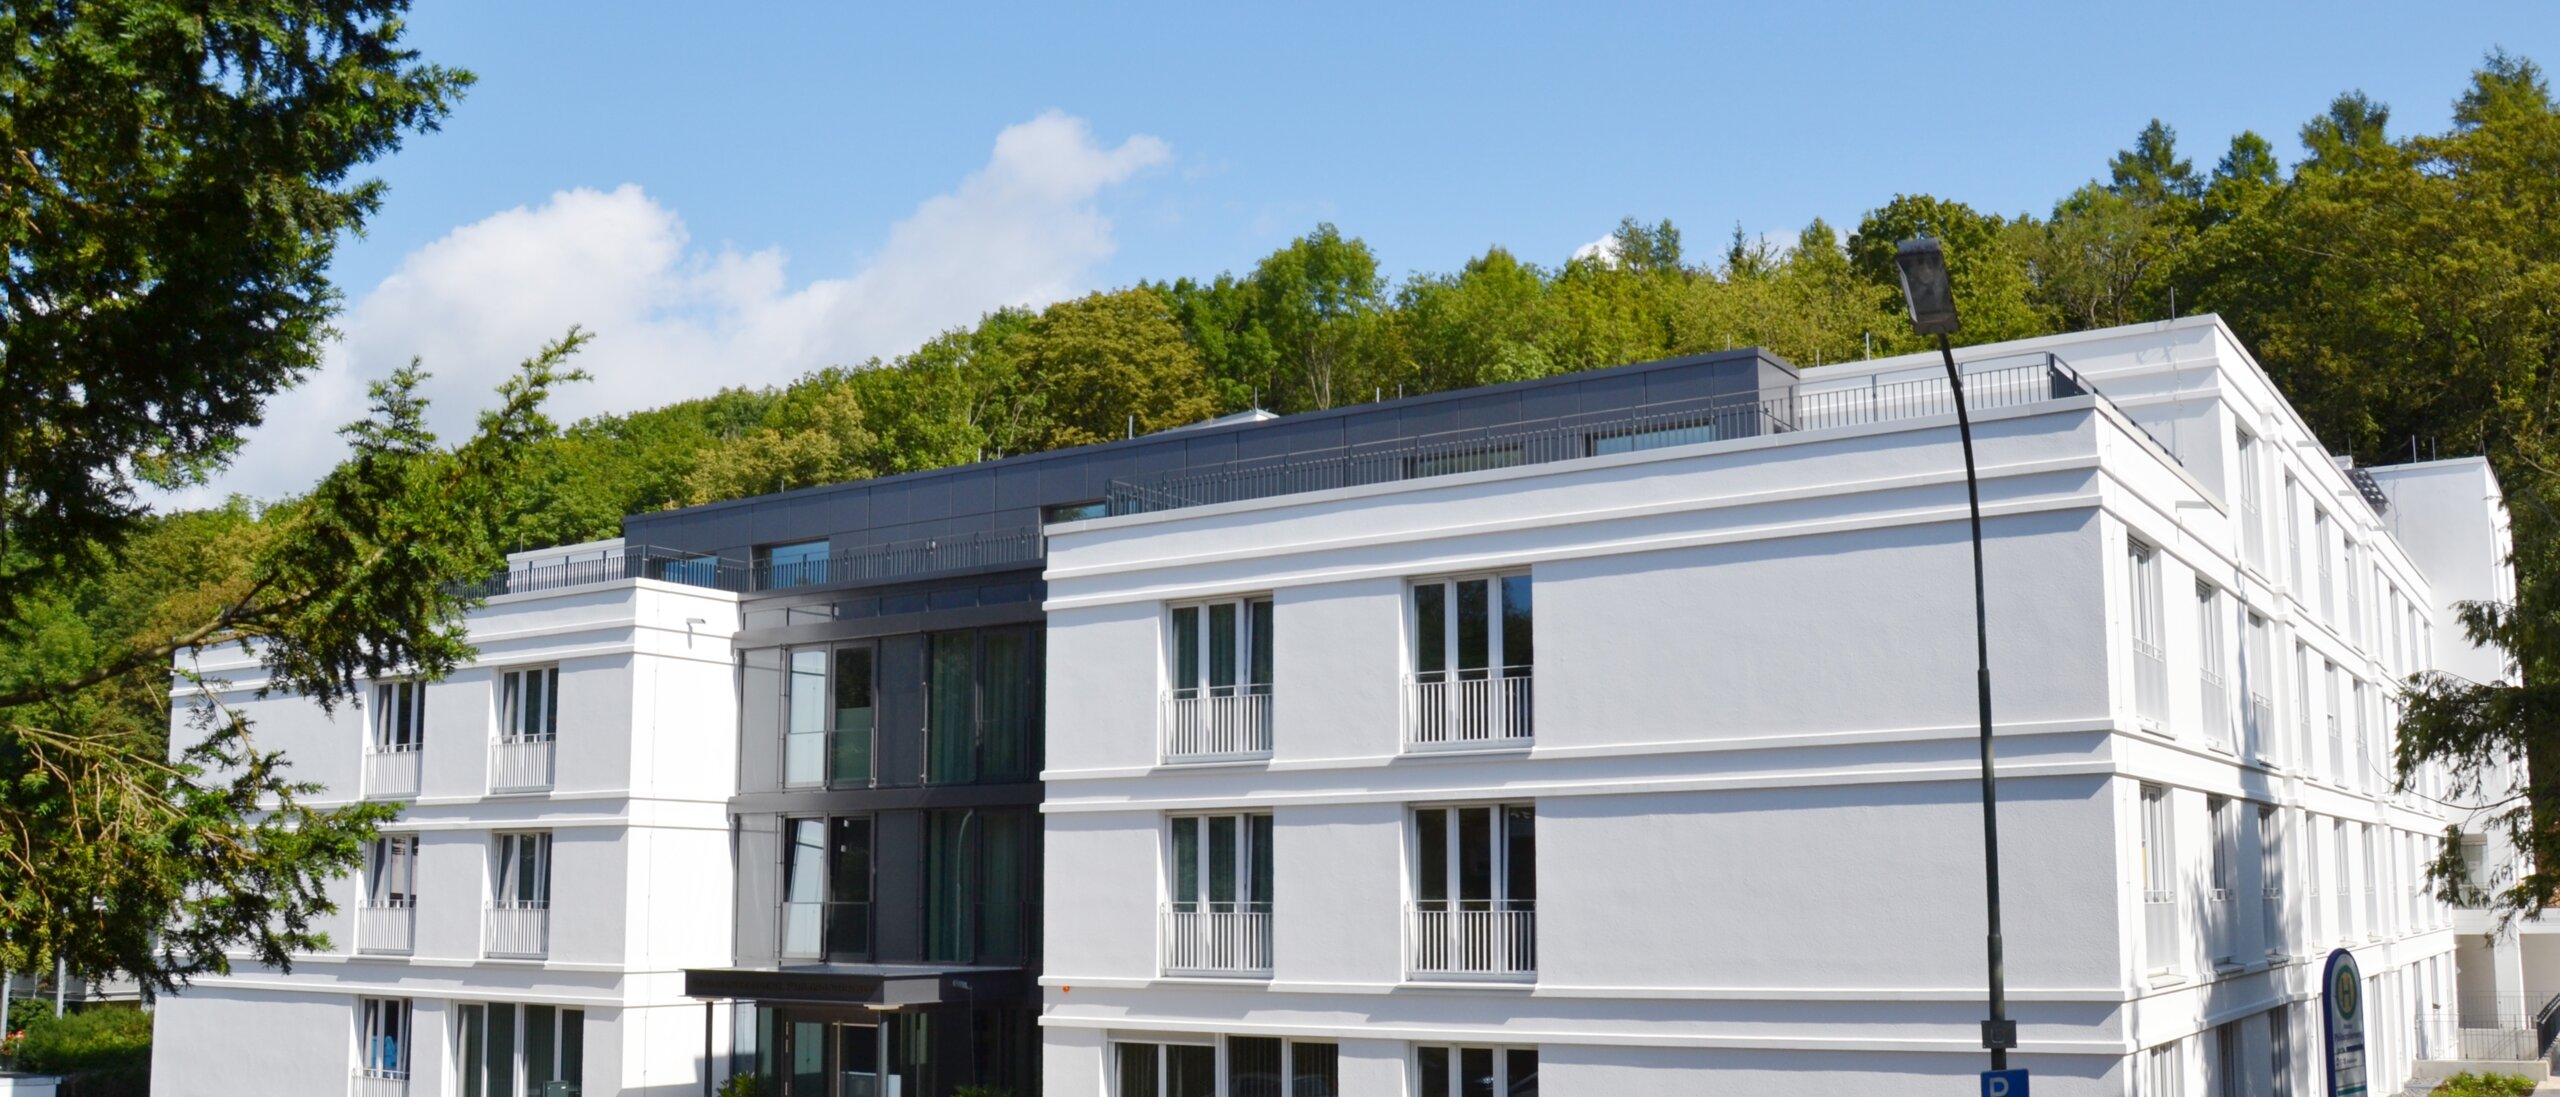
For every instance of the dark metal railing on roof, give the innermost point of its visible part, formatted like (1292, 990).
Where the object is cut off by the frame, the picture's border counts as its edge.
(902, 559)
(2035, 379)
(627, 562)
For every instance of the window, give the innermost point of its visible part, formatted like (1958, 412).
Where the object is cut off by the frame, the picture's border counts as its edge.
(979, 902)
(2253, 525)
(2331, 698)
(504, 1050)
(2150, 663)
(2258, 679)
(826, 888)
(1075, 512)
(2309, 751)
(1220, 862)
(391, 872)
(2292, 534)
(1475, 1071)
(982, 715)
(382, 1044)
(2223, 877)
(2271, 874)
(2280, 1052)
(399, 717)
(529, 704)
(2342, 862)
(1264, 1066)
(1475, 889)
(2226, 1061)
(2321, 550)
(2211, 667)
(1165, 1070)
(2360, 763)
(2163, 1072)
(1221, 649)
(828, 737)
(2159, 881)
(523, 871)
(797, 564)
(1472, 657)
(2372, 882)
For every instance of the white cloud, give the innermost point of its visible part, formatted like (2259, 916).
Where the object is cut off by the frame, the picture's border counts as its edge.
(672, 320)
(1603, 250)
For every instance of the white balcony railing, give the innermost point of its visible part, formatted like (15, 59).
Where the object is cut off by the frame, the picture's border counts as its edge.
(2337, 751)
(392, 771)
(2150, 683)
(1441, 714)
(1217, 939)
(1477, 938)
(520, 928)
(389, 926)
(521, 765)
(2160, 929)
(1207, 725)
(2217, 709)
(376, 1082)
(2253, 535)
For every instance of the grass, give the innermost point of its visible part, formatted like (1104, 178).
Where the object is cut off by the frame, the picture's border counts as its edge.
(2467, 1084)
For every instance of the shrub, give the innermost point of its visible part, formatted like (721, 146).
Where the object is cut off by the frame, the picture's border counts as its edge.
(99, 1038)
(739, 1085)
(2467, 1084)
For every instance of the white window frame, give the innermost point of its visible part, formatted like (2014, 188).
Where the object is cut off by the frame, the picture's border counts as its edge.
(399, 716)
(510, 849)
(1253, 829)
(2222, 877)
(2253, 523)
(2164, 1071)
(520, 722)
(383, 1038)
(2159, 854)
(1164, 1075)
(1497, 663)
(2271, 877)
(391, 871)
(2213, 662)
(2145, 626)
(518, 1065)
(1501, 1053)
(1203, 644)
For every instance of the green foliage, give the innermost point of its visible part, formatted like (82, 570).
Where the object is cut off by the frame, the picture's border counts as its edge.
(98, 1038)
(741, 1085)
(2467, 1084)
(981, 1091)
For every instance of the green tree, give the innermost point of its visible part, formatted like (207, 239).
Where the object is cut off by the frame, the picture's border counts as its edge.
(178, 177)
(1319, 300)
(1987, 262)
(818, 437)
(1110, 362)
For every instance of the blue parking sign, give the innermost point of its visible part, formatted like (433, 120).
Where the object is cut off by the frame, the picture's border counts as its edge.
(2004, 1083)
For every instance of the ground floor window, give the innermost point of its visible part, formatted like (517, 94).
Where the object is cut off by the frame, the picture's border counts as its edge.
(1237, 1066)
(1441, 1071)
(383, 1043)
(505, 1050)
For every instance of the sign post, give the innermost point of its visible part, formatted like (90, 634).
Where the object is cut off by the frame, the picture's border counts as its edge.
(2342, 1023)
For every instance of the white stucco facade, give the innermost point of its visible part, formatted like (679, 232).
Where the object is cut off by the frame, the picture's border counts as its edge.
(582, 873)
(1749, 784)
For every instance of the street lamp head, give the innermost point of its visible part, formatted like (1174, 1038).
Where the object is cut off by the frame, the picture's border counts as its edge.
(1925, 285)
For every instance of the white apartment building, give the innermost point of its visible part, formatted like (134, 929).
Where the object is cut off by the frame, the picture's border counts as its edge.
(1635, 754)
(562, 853)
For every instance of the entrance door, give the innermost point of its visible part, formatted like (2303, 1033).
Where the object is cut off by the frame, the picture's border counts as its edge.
(858, 1063)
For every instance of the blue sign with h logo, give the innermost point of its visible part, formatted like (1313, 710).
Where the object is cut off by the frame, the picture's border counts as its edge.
(2004, 1083)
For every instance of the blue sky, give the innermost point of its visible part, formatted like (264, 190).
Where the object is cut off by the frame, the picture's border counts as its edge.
(736, 202)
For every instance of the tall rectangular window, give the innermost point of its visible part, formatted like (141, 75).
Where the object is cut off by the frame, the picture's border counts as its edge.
(529, 704)
(2253, 524)
(1164, 1070)
(382, 1039)
(2159, 880)
(1473, 656)
(826, 888)
(2143, 618)
(1220, 862)
(979, 900)
(399, 716)
(2222, 871)
(1282, 1068)
(2292, 535)
(828, 734)
(2342, 864)
(1441, 1071)
(523, 876)
(2163, 1072)
(2271, 875)
(2321, 550)
(2227, 1079)
(391, 871)
(2258, 682)
(2280, 1052)
(2212, 667)
(1475, 888)
(982, 702)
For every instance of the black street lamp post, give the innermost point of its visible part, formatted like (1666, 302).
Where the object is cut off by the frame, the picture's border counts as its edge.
(1933, 312)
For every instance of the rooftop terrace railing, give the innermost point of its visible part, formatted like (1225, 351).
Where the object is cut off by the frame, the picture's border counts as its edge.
(627, 562)
(870, 563)
(2028, 379)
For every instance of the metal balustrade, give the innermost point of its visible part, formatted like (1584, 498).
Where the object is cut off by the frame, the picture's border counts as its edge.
(377, 1082)
(519, 928)
(1442, 713)
(2160, 929)
(2261, 722)
(829, 759)
(2150, 683)
(1474, 937)
(1212, 724)
(387, 926)
(2277, 943)
(1203, 938)
(2031, 379)
(2217, 709)
(2222, 927)
(819, 930)
(2337, 751)
(522, 764)
(392, 771)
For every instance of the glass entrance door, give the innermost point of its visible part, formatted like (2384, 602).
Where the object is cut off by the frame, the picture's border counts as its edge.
(858, 1063)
